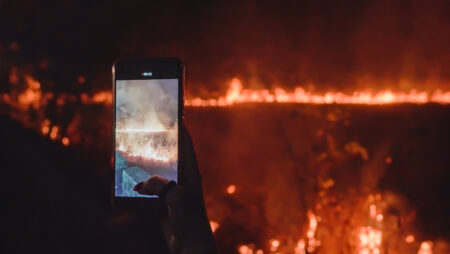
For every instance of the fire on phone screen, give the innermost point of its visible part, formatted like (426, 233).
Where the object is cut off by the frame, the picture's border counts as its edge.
(146, 132)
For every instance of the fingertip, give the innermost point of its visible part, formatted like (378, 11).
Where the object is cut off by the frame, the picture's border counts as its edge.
(138, 187)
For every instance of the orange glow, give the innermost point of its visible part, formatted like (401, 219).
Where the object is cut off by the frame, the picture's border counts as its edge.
(231, 189)
(45, 127)
(369, 240)
(45, 130)
(54, 132)
(135, 143)
(300, 248)
(380, 217)
(388, 160)
(32, 95)
(372, 211)
(237, 94)
(410, 238)
(214, 225)
(81, 79)
(426, 247)
(65, 141)
(6, 98)
(274, 244)
(377, 197)
(245, 249)
(312, 242)
(102, 97)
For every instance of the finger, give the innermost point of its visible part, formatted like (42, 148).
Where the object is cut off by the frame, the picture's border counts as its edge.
(153, 186)
(189, 174)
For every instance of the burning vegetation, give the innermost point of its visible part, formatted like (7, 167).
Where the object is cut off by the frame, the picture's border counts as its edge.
(237, 94)
(323, 210)
(317, 131)
(145, 130)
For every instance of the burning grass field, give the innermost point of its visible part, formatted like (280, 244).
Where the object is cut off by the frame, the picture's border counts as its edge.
(290, 177)
(325, 178)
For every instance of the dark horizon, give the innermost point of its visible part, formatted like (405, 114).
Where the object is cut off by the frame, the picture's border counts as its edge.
(335, 46)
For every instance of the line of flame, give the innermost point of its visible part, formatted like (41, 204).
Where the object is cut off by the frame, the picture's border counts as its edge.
(131, 130)
(237, 94)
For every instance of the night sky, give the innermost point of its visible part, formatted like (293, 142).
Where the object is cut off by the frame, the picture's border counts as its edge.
(333, 45)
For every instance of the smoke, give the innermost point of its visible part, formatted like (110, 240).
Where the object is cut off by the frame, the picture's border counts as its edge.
(146, 119)
(143, 104)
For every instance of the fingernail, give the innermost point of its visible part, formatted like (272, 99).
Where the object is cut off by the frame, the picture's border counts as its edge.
(138, 186)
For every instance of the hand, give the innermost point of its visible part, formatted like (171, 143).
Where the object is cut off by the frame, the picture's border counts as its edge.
(186, 228)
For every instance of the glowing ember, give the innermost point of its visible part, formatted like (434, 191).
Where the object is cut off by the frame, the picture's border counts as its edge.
(388, 160)
(65, 141)
(380, 217)
(245, 249)
(231, 189)
(214, 225)
(372, 211)
(237, 94)
(378, 197)
(32, 95)
(369, 240)
(54, 132)
(102, 97)
(426, 247)
(45, 130)
(300, 248)
(409, 238)
(312, 242)
(274, 244)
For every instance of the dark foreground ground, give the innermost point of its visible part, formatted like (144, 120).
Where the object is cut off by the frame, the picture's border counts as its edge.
(277, 156)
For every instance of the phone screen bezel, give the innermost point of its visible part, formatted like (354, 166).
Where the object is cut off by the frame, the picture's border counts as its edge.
(133, 69)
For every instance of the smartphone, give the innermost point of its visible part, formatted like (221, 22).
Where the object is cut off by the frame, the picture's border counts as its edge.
(148, 109)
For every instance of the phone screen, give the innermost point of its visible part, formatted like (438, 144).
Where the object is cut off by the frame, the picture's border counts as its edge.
(146, 132)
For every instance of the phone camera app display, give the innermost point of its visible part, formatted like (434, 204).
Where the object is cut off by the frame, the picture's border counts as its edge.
(146, 132)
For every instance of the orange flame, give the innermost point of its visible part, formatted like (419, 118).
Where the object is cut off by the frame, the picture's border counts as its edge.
(54, 132)
(312, 242)
(65, 141)
(409, 238)
(274, 244)
(426, 247)
(32, 95)
(231, 189)
(102, 97)
(237, 94)
(369, 240)
(214, 225)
